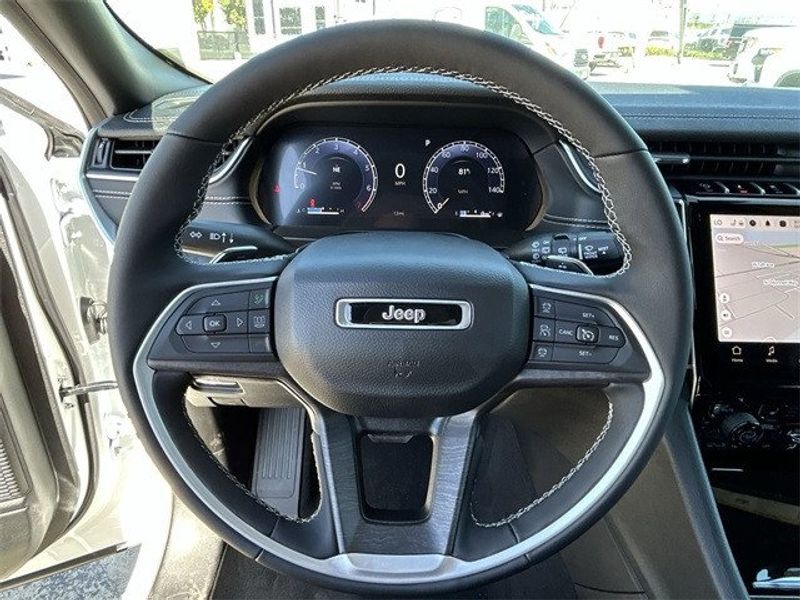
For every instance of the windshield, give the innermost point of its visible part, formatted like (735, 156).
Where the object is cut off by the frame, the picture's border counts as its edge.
(536, 19)
(686, 42)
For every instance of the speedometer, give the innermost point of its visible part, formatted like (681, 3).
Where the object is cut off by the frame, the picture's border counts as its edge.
(333, 176)
(464, 179)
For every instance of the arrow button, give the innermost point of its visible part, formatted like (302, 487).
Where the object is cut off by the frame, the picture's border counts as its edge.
(217, 344)
(221, 303)
(191, 325)
(236, 322)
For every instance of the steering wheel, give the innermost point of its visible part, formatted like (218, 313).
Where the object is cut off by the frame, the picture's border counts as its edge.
(403, 332)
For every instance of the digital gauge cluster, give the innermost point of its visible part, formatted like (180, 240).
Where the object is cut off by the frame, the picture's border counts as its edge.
(361, 178)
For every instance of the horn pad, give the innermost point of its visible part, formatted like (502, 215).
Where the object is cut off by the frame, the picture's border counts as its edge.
(401, 324)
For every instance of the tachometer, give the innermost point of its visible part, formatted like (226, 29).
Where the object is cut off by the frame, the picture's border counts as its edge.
(464, 179)
(333, 176)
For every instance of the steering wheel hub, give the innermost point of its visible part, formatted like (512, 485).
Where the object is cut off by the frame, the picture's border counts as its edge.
(401, 324)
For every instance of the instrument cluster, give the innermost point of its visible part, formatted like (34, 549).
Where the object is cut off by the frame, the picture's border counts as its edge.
(464, 180)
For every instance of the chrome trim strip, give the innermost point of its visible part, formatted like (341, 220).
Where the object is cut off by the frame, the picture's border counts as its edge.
(220, 256)
(403, 569)
(233, 161)
(671, 158)
(344, 318)
(578, 168)
(693, 350)
(554, 260)
(111, 176)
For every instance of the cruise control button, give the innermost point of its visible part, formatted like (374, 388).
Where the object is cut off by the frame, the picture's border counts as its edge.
(542, 352)
(258, 321)
(258, 299)
(543, 329)
(221, 303)
(214, 323)
(565, 332)
(217, 344)
(587, 334)
(191, 325)
(237, 322)
(544, 307)
(583, 354)
(579, 312)
(259, 344)
(611, 336)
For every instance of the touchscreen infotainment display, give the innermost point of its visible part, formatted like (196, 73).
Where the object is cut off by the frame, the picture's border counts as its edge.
(756, 277)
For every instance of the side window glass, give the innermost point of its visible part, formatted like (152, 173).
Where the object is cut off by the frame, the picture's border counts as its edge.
(41, 137)
(24, 75)
(494, 20)
(500, 21)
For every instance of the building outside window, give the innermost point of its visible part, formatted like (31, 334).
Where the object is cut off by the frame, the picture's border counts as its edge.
(319, 16)
(259, 24)
(291, 22)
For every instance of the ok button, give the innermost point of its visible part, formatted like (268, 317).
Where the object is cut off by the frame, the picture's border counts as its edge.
(214, 323)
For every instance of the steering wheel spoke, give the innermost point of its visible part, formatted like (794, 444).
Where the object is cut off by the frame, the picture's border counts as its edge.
(395, 489)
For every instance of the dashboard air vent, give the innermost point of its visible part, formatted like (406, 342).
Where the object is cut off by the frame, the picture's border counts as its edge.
(730, 168)
(131, 155)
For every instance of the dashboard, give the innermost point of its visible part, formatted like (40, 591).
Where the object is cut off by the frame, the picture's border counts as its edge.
(456, 179)
(416, 153)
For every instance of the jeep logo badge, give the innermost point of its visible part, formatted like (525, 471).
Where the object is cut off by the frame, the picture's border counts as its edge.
(409, 315)
(391, 313)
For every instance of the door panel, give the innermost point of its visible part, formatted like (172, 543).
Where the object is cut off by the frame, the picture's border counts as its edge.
(28, 487)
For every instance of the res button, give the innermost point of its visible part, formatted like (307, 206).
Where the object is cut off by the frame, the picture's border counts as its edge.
(611, 336)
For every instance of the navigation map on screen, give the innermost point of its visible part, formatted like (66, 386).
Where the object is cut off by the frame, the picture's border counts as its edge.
(757, 277)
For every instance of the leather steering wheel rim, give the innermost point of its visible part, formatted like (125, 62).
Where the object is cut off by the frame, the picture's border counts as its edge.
(652, 291)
